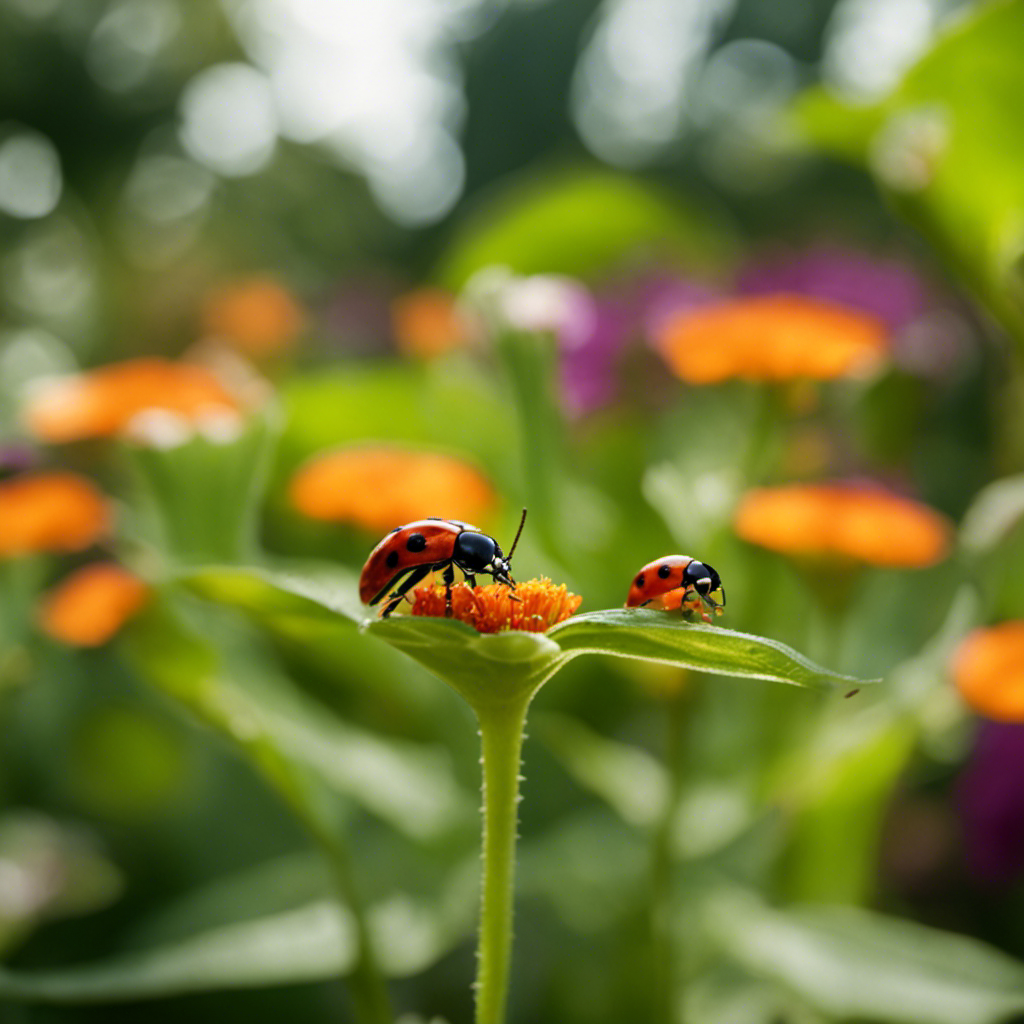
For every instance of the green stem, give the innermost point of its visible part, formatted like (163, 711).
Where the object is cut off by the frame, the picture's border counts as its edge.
(664, 948)
(370, 999)
(501, 733)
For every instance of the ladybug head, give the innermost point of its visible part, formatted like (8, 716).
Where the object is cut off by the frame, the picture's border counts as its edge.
(704, 580)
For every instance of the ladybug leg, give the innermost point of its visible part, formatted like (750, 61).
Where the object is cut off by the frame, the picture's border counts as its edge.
(449, 579)
(406, 585)
(470, 578)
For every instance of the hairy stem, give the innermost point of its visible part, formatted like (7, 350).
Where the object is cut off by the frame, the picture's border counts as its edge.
(664, 947)
(501, 733)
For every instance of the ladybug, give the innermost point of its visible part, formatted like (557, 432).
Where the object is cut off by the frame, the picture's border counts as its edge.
(677, 581)
(417, 549)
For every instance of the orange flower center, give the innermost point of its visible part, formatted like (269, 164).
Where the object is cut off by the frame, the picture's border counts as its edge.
(377, 487)
(88, 607)
(863, 523)
(988, 670)
(50, 512)
(771, 338)
(534, 606)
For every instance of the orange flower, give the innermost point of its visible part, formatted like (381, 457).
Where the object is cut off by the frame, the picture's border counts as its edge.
(534, 606)
(257, 316)
(771, 338)
(427, 323)
(863, 523)
(378, 487)
(88, 607)
(988, 670)
(103, 402)
(50, 512)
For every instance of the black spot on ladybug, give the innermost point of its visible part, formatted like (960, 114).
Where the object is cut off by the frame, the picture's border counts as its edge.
(640, 580)
(416, 542)
(664, 571)
(392, 560)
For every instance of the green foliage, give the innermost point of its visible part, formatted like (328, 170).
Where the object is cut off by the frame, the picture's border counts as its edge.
(946, 146)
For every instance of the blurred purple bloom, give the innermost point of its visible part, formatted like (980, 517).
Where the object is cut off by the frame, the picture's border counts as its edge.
(16, 456)
(358, 315)
(885, 288)
(991, 800)
(595, 337)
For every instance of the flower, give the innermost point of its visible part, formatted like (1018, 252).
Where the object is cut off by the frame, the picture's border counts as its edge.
(256, 315)
(988, 671)
(990, 795)
(378, 487)
(770, 338)
(88, 607)
(534, 606)
(888, 289)
(863, 523)
(102, 402)
(427, 323)
(50, 512)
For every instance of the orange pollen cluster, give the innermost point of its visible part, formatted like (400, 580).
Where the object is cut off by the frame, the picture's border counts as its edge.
(771, 338)
(534, 606)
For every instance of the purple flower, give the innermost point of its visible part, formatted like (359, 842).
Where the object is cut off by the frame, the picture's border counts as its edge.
(17, 456)
(990, 795)
(885, 288)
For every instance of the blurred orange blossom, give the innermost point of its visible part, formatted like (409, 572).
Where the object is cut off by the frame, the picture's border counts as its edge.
(863, 523)
(102, 402)
(91, 604)
(988, 670)
(379, 487)
(533, 607)
(427, 323)
(770, 338)
(50, 512)
(257, 315)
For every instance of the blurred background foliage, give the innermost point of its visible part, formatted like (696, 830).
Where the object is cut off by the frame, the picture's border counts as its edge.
(484, 234)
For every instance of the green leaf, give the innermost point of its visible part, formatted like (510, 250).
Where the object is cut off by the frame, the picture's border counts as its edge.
(946, 147)
(312, 942)
(656, 636)
(495, 667)
(581, 223)
(855, 964)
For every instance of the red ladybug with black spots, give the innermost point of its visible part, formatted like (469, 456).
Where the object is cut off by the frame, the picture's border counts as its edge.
(410, 553)
(678, 581)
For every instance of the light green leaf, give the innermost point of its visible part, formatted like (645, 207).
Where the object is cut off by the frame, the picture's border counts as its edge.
(994, 512)
(947, 146)
(855, 964)
(656, 636)
(580, 223)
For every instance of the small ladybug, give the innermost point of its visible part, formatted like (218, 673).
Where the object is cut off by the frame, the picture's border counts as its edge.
(677, 581)
(417, 549)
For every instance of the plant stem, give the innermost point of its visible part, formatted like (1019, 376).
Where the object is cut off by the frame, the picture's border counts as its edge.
(664, 948)
(370, 999)
(501, 733)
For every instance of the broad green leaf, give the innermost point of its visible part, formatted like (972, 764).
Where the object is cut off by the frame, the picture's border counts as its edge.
(311, 942)
(947, 145)
(857, 965)
(655, 636)
(241, 693)
(502, 664)
(581, 223)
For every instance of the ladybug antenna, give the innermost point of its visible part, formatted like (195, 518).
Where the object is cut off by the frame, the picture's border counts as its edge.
(522, 522)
